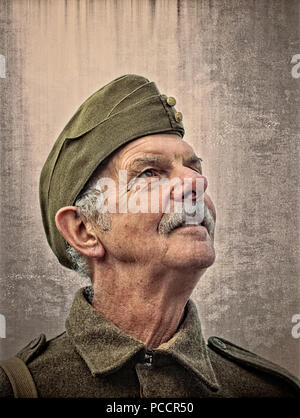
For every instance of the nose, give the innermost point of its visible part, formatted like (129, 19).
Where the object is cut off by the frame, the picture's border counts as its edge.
(190, 185)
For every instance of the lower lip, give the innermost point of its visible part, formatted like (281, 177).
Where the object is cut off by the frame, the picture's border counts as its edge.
(191, 228)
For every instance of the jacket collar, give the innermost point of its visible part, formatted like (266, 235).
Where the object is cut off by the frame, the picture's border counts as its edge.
(105, 348)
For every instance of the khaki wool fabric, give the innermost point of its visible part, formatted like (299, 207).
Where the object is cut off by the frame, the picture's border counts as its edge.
(125, 109)
(95, 359)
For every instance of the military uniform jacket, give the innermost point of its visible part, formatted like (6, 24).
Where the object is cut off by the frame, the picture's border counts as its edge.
(93, 358)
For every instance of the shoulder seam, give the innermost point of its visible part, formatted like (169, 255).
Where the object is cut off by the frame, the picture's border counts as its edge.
(31, 350)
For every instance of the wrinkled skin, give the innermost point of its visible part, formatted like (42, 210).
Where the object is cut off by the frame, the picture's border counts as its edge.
(142, 278)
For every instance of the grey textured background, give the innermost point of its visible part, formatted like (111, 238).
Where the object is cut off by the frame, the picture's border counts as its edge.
(228, 65)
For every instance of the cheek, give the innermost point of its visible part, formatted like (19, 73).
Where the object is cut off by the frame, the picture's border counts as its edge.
(134, 238)
(135, 224)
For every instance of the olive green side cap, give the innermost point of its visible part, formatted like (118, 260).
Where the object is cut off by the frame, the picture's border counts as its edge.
(128, 108)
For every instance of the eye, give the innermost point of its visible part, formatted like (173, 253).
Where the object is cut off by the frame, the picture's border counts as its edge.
(198, 170)
(150, 172)
(196, 167)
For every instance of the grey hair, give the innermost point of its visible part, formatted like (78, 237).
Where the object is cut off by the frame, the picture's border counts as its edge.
(86, 203)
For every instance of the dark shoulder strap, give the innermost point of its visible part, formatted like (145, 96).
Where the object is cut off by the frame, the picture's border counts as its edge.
(242, 356)
(20, 378)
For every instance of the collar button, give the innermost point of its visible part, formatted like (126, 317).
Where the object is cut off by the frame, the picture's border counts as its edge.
(148, 358)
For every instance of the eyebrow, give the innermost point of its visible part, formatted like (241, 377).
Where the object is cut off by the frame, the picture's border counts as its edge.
(194, 159)
(142, 162)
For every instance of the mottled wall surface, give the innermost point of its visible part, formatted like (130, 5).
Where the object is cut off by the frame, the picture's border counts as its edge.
(228, 63)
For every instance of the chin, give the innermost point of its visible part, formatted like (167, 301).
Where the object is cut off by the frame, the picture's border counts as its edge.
(196, 260)
(203, 262)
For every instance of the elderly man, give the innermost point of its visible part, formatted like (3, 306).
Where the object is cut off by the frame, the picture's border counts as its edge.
(135, 332)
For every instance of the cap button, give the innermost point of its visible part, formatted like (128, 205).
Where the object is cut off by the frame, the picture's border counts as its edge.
(171, 101)
(178, 116)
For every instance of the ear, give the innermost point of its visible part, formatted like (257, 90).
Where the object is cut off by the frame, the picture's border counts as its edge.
(77, 233)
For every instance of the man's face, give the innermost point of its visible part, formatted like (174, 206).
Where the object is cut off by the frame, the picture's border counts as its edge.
(146, 238)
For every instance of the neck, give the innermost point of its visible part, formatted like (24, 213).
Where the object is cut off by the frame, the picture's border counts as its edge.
(146, 304)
